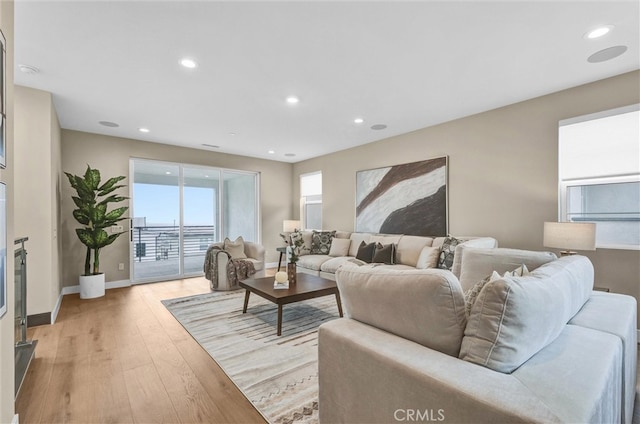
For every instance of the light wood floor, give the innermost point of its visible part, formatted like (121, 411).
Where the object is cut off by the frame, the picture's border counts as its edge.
(124, 358)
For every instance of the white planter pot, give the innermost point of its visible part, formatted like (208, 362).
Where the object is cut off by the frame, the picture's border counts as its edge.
(91, 286)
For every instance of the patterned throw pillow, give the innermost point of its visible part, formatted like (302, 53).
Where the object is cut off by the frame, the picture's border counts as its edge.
(321, 242)
(384, 254)
(365, 252)
(448, 249)
(471, 295)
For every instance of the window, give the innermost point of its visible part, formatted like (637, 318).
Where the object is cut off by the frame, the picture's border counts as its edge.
(311, 201)
(599, 172)
(178, 210)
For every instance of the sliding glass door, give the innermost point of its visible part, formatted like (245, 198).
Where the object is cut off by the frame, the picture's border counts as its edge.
(179, 210)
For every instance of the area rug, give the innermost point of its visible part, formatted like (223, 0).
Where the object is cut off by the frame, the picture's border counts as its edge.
(279, 375)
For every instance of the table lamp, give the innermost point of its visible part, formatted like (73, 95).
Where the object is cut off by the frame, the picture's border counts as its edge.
(289, 226)
(570, 236)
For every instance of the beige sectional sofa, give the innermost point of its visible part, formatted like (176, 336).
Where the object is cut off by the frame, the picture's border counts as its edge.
(408, 252)
(543, 347)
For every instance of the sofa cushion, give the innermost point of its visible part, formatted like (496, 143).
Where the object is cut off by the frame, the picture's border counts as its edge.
(339, 247)
(366, 251)
(424, 306)
(333, 264)
(321, 242)
(470, 242)
(384, 254)
(356, 239)
(235, 248)
(385, 238)
(409, 248)
(515, 317)
(478, 263)
(428, 257)
(313, 262)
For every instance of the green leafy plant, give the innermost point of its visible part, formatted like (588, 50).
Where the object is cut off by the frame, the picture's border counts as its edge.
(92, 202)
(295, 242)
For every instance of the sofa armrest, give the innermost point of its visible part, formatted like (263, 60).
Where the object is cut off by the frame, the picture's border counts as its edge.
(368, 375)
(254, 251)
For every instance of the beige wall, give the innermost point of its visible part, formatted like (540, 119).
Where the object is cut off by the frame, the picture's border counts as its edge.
(6, 175)
(111, 156)
(503, 179)
(37, 171)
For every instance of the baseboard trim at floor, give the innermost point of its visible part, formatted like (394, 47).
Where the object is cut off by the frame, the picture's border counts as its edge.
(16, 419)
(38, 319)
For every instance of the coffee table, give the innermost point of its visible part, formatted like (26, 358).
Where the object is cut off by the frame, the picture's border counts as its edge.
(307, 287)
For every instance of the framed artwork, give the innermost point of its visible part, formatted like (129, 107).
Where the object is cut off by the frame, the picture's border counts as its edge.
(3, 102)
(3, 249)
(404, 199)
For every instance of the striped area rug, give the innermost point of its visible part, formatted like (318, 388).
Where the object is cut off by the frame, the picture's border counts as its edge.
(279, 375)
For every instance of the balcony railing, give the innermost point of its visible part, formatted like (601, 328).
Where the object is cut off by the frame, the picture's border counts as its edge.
(161, 243)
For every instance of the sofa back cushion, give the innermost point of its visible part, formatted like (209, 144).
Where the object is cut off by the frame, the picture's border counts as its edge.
(409, 248)
(479, 263)
(515, 317)
(356, 239)
(424, 306)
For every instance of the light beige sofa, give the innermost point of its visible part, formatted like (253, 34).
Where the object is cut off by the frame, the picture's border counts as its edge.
(408, 250)
(539, 348)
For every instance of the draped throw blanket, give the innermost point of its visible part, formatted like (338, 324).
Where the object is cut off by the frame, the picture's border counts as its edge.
(237, 269)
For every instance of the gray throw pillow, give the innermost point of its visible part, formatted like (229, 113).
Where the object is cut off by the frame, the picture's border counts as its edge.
(365, 252)
(384, 254)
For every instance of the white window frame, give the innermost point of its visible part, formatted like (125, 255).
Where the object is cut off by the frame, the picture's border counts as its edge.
(563, 185)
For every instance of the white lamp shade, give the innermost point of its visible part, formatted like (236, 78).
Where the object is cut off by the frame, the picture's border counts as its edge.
(289, 226)
(570, 235)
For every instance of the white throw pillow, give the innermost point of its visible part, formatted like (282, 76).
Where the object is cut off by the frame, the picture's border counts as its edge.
(428, 257)
(339, 247)
(235, 248)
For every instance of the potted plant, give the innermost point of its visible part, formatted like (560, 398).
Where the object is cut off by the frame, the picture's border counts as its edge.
(294, 243)
(92, 200)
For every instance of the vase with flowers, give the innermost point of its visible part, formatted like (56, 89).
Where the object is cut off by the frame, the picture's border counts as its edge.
(294, 244)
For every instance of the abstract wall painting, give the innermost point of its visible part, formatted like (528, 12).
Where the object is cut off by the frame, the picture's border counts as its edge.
(406, 199)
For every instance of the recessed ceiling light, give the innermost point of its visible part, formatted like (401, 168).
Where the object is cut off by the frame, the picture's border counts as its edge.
(232, 134)
(188, 63)
(378, 127)
(168, 173)
(143, 130)
(598, 32)
(108, 124)
(271, 152)
(292, 100)
(358, 120)
(28, 69)
(606, 54)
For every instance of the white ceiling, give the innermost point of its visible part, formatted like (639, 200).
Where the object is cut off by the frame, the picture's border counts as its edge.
(407, 65)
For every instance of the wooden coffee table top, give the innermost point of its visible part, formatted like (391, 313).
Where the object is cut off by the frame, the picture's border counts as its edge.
(307, 287)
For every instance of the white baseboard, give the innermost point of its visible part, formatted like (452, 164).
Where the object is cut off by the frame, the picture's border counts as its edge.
(16, 419)
(56, 309)
(108, 285)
